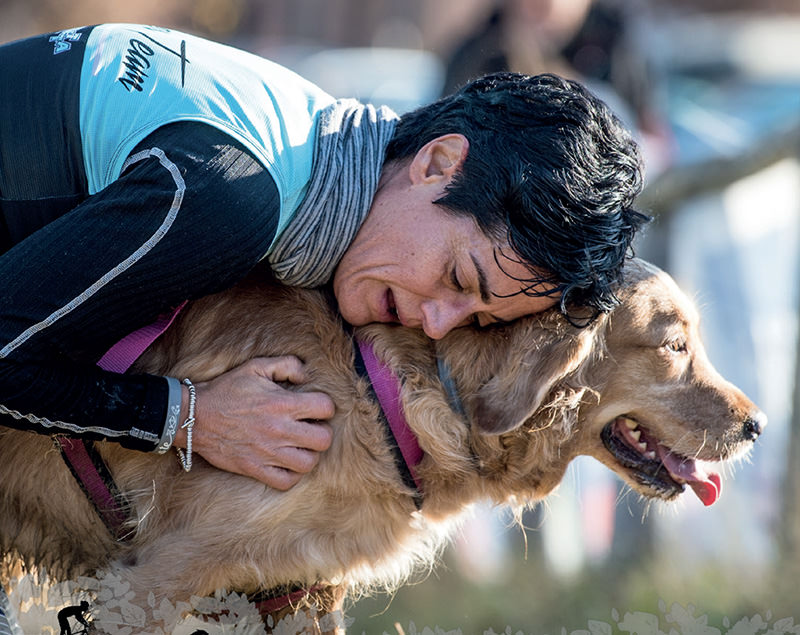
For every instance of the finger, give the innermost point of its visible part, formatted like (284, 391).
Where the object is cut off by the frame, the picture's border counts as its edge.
(285, 470)
(304, 435)
(278, 477)
(313, 405)
(297, 460)
(285, 368)
(280, 403)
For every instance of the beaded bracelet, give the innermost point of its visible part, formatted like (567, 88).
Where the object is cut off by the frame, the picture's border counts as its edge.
(186, 460)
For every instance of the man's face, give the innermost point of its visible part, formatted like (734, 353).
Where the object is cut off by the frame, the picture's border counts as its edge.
(415, 264)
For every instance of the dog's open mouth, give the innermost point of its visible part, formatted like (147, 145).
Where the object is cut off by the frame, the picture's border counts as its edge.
(655, 466)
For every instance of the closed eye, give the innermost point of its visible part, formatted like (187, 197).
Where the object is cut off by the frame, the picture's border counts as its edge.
(456, 282)
(478, 320)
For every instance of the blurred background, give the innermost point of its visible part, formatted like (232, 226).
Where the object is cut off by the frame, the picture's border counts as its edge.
(712, 90)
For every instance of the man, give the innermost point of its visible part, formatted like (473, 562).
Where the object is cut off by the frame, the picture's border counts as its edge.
(141, 167)
(76, 612)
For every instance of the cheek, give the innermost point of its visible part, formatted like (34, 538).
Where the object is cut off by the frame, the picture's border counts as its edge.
(338, 283)
(344, 292)
(352, 308)
(544, 303)
(521, 306)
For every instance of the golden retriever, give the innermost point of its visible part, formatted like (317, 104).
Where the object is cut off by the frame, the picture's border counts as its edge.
(634, 389)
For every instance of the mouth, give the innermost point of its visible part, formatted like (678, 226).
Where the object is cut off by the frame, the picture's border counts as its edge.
(392, 313)
(390, 308)
(654, 466)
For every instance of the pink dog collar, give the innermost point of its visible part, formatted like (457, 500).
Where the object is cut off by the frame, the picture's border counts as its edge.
(387, 391)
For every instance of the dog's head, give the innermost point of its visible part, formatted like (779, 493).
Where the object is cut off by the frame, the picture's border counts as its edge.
(665, 415)
(635, 390)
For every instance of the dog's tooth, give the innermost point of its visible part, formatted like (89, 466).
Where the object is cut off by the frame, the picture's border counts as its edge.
(650, 455)
(636, 434)
(643, 446)
(632, 425)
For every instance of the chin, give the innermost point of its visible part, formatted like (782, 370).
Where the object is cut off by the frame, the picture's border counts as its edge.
(355, 316)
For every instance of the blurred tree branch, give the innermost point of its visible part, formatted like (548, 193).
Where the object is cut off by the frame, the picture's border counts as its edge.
(668, 190)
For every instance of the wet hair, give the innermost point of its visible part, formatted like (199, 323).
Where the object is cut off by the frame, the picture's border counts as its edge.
(550, 169)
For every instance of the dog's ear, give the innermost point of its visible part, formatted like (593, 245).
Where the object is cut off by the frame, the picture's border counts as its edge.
(533, 368)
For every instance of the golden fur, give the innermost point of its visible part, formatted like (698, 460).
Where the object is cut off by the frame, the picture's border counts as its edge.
(538, 393)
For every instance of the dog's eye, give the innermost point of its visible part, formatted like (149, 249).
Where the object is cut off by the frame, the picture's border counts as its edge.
(677, 346)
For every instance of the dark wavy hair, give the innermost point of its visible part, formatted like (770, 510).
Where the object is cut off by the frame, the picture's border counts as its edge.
(551, 169)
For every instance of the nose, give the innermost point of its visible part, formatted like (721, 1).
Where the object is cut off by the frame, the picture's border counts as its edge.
(440, 317)
(754, 426)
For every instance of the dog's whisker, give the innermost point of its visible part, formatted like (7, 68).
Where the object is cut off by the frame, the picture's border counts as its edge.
(624, 496)
(705, 440)
(648, 502)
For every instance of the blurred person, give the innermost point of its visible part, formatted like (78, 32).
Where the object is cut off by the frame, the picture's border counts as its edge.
(591, 41)
(141, 167)
(526, 36)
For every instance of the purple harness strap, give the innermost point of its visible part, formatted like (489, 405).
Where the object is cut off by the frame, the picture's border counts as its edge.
(81, 456)
(94, 479)
(121, 356)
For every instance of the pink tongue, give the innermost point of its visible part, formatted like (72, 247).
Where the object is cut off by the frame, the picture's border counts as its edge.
(708, 487)
(709, 490)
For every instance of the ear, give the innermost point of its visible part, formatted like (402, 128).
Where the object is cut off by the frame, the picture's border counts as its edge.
(439, 159)
(525, 380)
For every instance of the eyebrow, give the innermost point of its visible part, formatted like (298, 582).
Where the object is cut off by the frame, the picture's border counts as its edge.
(483, 281)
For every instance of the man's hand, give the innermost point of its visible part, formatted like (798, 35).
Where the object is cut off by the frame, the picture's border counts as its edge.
(246, 423)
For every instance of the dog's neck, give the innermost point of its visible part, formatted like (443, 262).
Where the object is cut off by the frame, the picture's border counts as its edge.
(449, 385)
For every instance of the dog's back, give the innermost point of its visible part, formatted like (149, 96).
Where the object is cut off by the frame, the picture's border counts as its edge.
(197, 532)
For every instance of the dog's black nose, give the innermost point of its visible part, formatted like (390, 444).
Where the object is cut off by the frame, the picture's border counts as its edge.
(754, 426)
